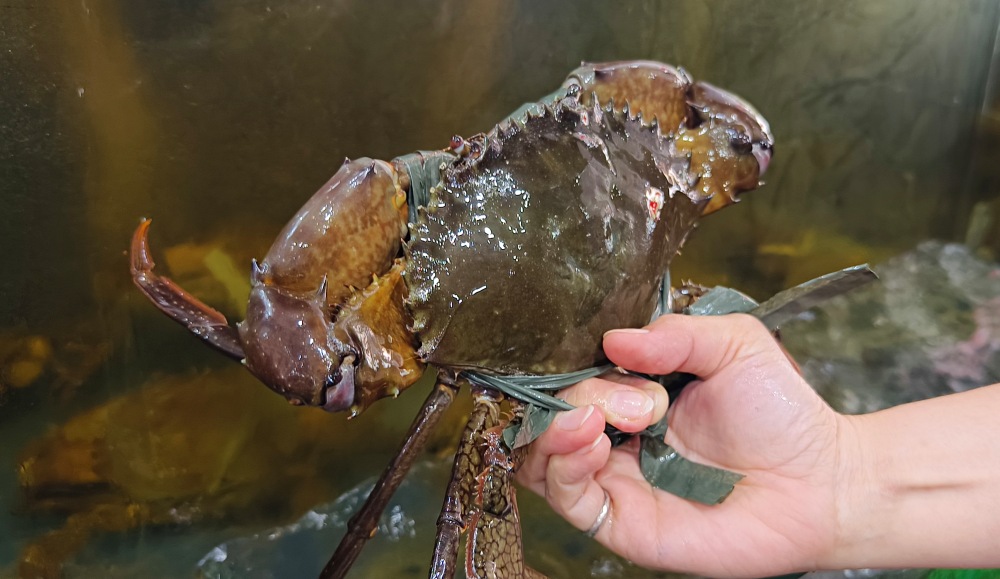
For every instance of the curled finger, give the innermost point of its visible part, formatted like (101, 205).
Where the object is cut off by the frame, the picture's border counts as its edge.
(571, 432)
(571, 487)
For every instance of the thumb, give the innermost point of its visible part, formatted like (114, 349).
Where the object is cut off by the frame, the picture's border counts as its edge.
(699, 345)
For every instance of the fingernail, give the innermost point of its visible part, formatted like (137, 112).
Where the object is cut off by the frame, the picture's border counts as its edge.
(575, 418)
(630, 404)
(627, 331)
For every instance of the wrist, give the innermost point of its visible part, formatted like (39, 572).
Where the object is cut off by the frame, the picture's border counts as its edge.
(916, 485)
(859, 496)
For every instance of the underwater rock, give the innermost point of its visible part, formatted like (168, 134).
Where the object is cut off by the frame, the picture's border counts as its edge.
(929, 327)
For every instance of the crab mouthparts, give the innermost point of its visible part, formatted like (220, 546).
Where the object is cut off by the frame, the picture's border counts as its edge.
(339, 395)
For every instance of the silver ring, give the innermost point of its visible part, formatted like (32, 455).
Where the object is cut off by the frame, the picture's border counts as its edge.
(601, 517)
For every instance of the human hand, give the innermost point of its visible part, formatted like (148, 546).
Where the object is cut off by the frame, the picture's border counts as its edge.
(751, 412)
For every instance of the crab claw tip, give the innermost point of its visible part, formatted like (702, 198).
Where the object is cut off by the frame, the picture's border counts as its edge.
(140, 260)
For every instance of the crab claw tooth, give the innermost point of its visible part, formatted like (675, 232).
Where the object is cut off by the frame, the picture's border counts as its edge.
(257, 273)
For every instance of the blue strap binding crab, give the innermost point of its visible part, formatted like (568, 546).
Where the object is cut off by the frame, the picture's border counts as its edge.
(509, 253)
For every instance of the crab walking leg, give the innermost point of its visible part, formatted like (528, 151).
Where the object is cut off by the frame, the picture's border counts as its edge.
(451, 522)
(363, 524)
(494, 548)
(182, 307)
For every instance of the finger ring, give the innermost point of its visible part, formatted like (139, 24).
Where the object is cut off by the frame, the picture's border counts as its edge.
(601, 517)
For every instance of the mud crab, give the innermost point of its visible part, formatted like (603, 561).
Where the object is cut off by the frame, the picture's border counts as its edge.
(507, 253)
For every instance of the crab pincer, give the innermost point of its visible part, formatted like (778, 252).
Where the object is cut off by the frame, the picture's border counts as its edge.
(200, 319)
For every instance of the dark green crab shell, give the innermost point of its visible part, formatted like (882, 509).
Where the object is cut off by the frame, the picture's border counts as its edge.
(559, 230)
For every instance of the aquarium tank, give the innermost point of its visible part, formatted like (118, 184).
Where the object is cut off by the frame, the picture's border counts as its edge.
(128, 449)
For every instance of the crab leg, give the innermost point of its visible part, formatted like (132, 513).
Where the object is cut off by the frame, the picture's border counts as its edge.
(363, 524)
(494, 548)
(451, 522)
(182, 307)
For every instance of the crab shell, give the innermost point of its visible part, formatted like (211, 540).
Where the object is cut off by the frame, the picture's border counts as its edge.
(558, 232)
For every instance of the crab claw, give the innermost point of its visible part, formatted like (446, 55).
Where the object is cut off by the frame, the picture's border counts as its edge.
(182, 307)
(712, 103)
(729, 143)
(287, 337)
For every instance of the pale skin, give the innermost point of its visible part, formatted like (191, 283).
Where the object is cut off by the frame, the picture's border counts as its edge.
(917, 485)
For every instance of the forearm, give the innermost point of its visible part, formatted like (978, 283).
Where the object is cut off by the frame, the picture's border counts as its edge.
(920, 485)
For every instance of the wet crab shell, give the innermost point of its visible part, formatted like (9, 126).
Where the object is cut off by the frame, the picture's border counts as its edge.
(559, 230)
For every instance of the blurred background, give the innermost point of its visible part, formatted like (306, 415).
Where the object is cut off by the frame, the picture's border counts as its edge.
(128, 448)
